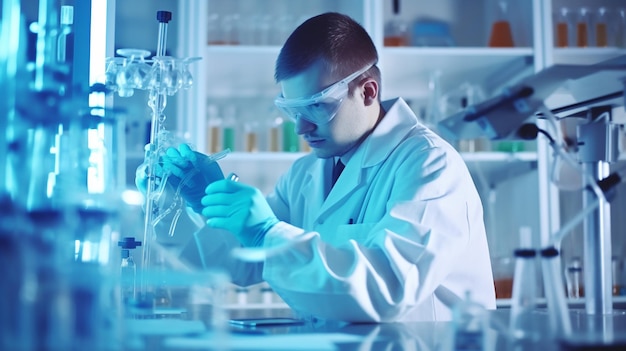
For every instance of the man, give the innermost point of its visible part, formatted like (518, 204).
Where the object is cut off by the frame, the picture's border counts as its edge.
(399, 237)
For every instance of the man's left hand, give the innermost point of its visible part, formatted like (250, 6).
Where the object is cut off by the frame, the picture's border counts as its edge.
(240, 209)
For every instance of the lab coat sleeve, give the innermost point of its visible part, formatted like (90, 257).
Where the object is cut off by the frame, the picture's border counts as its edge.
(186, 235)
(389, 266)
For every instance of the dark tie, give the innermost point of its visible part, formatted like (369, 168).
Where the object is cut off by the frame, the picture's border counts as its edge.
(339, 166)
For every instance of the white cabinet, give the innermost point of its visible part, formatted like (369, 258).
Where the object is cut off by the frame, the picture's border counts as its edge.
(238, 65)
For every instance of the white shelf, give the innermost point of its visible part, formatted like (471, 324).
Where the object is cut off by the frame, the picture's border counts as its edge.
(249, 72)
(585, 56)
(407, 69)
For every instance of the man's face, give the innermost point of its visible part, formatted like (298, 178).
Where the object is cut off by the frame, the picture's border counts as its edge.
(344, 131)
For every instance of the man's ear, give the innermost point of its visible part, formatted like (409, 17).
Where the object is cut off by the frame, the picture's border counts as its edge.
(370, 92)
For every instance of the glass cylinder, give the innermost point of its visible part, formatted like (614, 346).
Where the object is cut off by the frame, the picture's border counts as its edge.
(214, 129)
(524, 298)
(583, 26)
(620, 38)
(290, 138)
(274, 128)
(251, 130)
(229, 128)
(602, 27)
(574, 278)
(617, 269)
(563, 27)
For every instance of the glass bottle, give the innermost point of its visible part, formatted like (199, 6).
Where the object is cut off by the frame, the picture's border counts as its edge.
(251, 129)
(582, 28)
(574, 278)
(290, 138)
(214, 129)
(274, 143)
(501, 33)
(396, 29)
(620, 39)
(602, 28)
(562, 28)
(229, 128)
(128, 269)
(617, 269)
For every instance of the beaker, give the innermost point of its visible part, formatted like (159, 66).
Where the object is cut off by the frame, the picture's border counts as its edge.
(501, 33)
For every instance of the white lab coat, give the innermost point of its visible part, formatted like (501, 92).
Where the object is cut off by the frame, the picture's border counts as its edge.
(400, 237)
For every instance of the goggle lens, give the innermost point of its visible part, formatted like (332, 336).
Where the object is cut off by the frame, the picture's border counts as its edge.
(322, 107)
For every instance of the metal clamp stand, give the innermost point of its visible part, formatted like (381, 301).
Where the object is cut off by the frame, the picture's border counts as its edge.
(597, 148)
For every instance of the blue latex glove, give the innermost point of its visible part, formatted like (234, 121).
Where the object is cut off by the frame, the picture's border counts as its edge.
(240, 209)
(192, 169)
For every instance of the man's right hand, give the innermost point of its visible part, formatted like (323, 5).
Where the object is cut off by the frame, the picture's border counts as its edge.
(190, 170)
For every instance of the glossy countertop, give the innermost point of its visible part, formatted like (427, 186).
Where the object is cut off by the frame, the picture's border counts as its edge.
(194, 329)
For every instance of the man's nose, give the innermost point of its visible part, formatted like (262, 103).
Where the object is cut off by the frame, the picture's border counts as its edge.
(304, 126)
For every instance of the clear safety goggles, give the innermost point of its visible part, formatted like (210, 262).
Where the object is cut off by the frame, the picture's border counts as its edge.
(322, 107)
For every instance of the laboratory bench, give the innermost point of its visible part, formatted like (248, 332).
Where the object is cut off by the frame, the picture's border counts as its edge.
(188, 331)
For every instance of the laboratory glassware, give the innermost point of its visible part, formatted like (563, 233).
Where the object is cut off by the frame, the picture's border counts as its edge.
(128, 268)
(563, 27)
(501, 33)
(524, 297)
(601, 26)
(574, 278)
(396, 29)
(583, 27)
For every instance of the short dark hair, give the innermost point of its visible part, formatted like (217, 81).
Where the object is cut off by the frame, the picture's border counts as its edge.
(342, 44)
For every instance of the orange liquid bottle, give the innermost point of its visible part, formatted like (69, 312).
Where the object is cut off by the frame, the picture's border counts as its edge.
(582, 28)
(562, 31)
(396, 30)
(501, 33)
(602, 33)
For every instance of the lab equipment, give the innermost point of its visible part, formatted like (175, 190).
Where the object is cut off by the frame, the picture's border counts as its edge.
(128, 268)
(322, 107)
(524, 298)
(396, 29)
(597, 147)
(469, 325)
(574, 278)
(59, 182)
(164, 77)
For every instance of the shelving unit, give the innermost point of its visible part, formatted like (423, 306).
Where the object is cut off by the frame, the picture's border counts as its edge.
(520, 179)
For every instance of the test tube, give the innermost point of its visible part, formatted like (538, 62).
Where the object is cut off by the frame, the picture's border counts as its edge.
(214, 126)
(582, 28)
(573, 276)
(563, 24)
(602, 30)
(617, 268)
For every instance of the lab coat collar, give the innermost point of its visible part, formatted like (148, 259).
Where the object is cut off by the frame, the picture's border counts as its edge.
(395, 125)
(397, 122)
